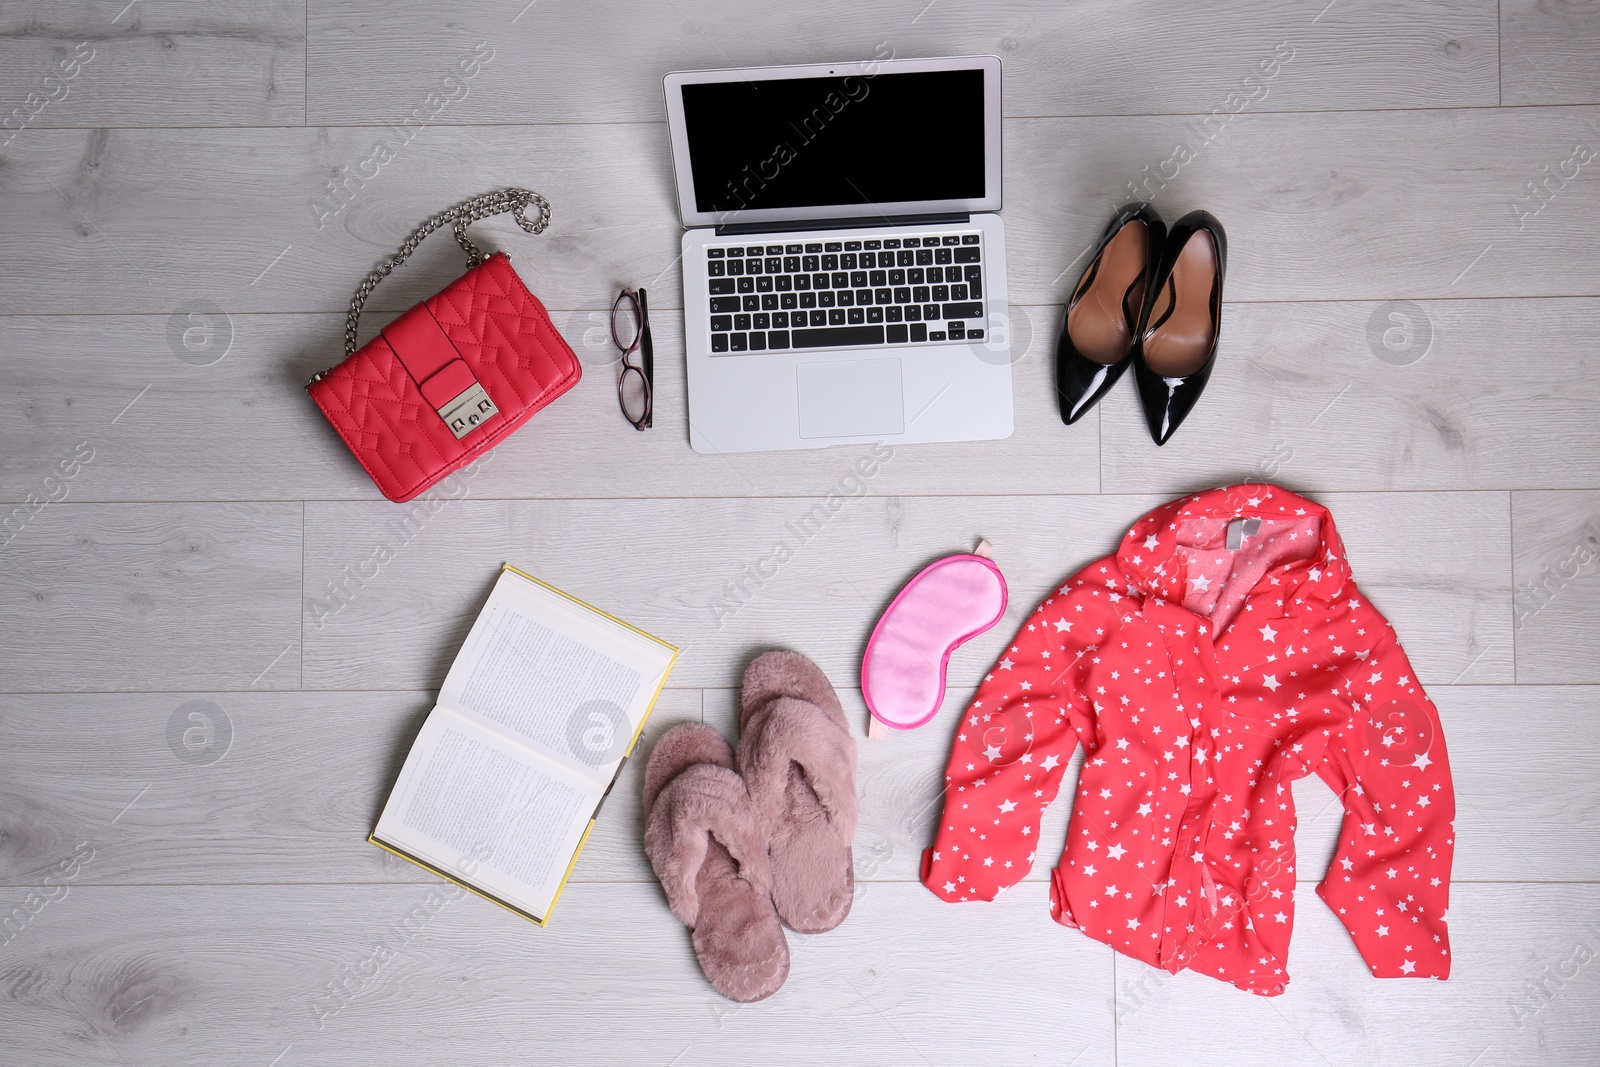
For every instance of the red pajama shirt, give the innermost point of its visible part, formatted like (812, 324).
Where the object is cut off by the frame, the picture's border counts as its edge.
(1220, 654)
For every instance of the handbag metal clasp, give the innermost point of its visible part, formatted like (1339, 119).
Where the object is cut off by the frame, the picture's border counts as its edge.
(471, 409)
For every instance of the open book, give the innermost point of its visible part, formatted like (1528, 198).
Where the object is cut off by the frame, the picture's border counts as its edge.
(541, 707)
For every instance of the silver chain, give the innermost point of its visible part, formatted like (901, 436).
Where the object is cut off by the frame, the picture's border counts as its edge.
(462, 215)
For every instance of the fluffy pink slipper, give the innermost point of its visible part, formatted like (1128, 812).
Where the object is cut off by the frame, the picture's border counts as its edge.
(707, 846)
(799, 763)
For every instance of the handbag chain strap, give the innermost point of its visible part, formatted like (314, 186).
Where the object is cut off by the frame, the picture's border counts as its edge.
(460, 216)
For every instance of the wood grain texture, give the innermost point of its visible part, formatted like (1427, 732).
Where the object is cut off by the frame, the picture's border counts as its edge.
(289, 795)
(1557, 585)
(340, 975)
(1348, 206)
(152, 597)
(1503, 939)
(280, 806)
(265, 439)
(217, 642)
(723, 577)
(1547, 53)
(1380, 395)
(1093, 59)
(1544, 837)
(1313, 387)
(153, 63)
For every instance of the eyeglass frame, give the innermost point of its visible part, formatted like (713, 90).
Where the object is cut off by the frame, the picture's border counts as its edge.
(646, 369)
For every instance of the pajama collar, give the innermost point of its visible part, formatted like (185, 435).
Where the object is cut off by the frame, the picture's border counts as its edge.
(1150, 559)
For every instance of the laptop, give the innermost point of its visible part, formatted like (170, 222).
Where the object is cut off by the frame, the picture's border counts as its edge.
(844, 268)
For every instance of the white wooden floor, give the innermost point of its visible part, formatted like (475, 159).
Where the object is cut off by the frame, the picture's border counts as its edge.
(1413, 201)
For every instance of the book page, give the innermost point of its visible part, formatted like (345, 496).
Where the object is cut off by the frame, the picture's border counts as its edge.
(556, 675)
(500, 818)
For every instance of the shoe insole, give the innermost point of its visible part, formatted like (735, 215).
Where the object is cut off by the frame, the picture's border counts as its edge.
(737, 939)
(1098, 322)
(1180, 346)
(813, 873)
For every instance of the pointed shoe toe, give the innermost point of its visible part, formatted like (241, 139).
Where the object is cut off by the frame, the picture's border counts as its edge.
(1183, 321)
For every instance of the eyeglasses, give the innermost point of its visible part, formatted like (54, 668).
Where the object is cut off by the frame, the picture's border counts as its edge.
(630, 331)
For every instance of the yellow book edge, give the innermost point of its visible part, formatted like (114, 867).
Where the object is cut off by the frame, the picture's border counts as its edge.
(372, 838)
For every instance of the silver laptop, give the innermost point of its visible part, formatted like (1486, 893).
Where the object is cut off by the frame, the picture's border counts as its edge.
(844, 269)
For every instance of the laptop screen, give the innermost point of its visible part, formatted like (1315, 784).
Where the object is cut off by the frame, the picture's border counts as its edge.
(852, 140)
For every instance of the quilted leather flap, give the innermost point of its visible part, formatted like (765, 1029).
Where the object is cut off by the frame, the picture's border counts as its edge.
(500, 331)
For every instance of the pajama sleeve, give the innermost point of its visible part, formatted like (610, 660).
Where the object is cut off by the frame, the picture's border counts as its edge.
(1389, 882)
(1014, 740)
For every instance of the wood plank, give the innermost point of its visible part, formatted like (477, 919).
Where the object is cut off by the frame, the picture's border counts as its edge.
(1547, 53)
(1507, 941)
(1543, 836)
(195, 405)
(263, 438)
(278, 807)
(1299, 381)
(1388, 395)
(242, 974)
(1517, 820)
(151, 597)
(719, 577)
(155, 63)
(1557, 585)
(714, 577)
(1086, 60)
(284, 788)
(1345, 206)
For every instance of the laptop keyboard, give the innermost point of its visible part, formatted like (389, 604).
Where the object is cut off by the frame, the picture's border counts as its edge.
(855, 293)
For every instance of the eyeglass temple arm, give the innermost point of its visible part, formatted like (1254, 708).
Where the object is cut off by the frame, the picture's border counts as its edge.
(647, 355)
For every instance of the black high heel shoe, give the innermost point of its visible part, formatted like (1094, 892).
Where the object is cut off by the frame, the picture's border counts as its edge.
(1178, 341)
(1100, 330)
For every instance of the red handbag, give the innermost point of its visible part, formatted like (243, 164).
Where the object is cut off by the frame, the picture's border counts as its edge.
(450, 378)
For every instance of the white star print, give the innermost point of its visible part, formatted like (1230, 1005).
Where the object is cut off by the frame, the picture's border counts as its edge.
(1126, 694)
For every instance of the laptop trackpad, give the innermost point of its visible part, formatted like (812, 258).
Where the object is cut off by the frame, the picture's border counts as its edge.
(851, 398)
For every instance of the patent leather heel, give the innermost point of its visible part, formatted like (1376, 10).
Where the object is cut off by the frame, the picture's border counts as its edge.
(1183, 321)
(1100, 330)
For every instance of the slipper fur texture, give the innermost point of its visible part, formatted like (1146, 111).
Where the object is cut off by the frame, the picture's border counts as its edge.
(798, 762)
(709, 849)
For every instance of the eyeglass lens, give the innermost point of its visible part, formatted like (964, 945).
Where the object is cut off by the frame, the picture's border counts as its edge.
(626, 322)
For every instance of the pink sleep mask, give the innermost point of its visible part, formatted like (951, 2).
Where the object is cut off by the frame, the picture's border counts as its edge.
(950, 602)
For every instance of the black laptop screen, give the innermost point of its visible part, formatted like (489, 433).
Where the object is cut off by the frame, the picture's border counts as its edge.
(814, 142)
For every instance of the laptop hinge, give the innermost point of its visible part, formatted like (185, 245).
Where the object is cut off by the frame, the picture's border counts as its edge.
(954, 218)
